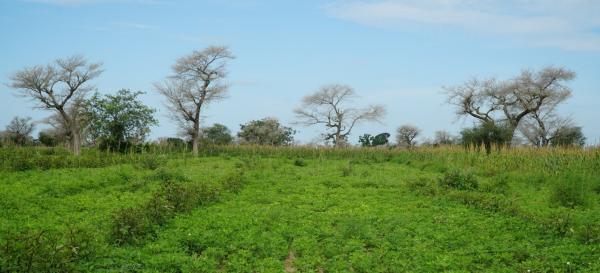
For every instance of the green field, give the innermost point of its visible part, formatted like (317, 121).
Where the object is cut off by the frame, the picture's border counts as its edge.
(252, 209)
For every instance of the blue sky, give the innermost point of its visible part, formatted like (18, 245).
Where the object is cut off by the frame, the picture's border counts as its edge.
(396, 52)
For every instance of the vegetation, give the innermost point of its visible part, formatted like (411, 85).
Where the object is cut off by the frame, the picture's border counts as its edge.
(118, 122)
(267, 131)
(285, 209)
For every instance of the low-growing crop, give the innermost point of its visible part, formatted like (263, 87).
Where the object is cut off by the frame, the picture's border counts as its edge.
(460, 180)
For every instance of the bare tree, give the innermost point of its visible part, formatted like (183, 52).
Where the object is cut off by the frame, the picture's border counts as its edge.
(327, 107)
(19, 130)
(471, 99)
(540, 129)
(59, 86)
(197, 81)
(406, 135)
(514, 99)
(443, 138)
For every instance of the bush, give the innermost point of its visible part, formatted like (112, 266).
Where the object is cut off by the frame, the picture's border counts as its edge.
(570, 191)
(234, 181)
(460, 180)
(300, 162)
(130, 225)
(45, 251)
(422, 185)
(347, 170)
(498, 185)
(151, 162)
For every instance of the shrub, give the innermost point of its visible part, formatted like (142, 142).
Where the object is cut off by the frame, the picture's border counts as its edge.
(179, 196)
(45, 251)
(570, 191)
(347, 170)
(151, 162)
(460, 180)
(130, 225)
(422, 185)
(498, 185)
(300, 162)
(234, 181)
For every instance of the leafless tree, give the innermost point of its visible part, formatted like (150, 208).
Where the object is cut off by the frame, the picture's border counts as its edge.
(328, 107)
(443, 138)
(514, 99)
(59, 86)
(472, 99)
(19, 130)
(540, 129)
(406, 135)
(196, 81)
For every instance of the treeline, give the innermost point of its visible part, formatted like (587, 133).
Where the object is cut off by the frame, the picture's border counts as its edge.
(518, 111)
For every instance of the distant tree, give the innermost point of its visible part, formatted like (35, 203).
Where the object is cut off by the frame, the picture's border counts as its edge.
(218, 134)
(327, 107)
(569, 136)
(368, 140)
(381, 139)
(196, 81)
(365, 140)
(510, 101)
(266, 131)
(406, 135)
(19, 130)
(443, 138)
(60, 87)
(49, 138)
(487, 134)
(117, 122)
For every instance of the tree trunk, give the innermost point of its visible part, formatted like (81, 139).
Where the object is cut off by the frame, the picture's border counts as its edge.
(195, 137)
(75, 141)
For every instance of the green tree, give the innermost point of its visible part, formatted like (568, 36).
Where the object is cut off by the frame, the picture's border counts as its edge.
(218, 134)
(117, 122)
(267, 131)
(487, 134)
(367, 140)
(568, 136)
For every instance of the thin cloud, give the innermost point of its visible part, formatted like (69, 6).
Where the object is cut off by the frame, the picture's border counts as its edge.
(564, 24)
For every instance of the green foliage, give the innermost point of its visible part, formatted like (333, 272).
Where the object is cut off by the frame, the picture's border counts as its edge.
(368, 140)
(266, 131)
(119, 121)
(488, 134)
(571, 191)
(460, 180)
(151, 161)
(39, 250)
(300, 162)
(387, 203)
(218, 134)
(568, 136)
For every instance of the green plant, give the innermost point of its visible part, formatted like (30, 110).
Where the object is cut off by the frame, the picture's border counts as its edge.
(151, 162)
(129, 226)
(234, 181)
(570, 191)
(460, 180)
(40, 250)
(300, 162)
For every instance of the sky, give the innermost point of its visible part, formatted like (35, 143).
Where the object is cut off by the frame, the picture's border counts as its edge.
(399, 53)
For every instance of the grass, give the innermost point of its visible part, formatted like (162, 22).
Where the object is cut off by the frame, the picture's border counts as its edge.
(255, 209)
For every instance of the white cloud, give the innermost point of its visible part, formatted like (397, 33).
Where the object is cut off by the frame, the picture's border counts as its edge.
(565, 24)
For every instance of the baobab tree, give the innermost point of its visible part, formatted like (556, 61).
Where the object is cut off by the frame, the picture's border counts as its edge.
(514, 99)
(406, 135)
(61, 87)
(197, 80)
(327, 107)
